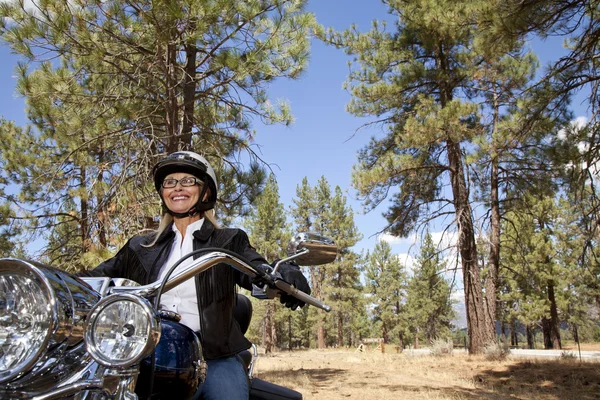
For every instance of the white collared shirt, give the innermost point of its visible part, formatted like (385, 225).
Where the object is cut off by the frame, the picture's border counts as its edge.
(182, 299)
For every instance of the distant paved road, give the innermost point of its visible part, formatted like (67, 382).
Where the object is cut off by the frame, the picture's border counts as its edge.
(592, 355)
(554, 353)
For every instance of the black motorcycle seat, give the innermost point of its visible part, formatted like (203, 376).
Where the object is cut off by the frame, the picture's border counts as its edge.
(242, 312)
(246, 357)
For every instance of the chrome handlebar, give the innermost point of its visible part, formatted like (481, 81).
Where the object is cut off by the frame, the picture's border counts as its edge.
(209, 260)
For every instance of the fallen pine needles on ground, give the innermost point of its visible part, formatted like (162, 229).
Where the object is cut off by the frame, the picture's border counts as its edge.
(336, 374)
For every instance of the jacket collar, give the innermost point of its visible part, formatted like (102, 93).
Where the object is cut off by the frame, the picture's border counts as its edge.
(205, 231)
(167, 234)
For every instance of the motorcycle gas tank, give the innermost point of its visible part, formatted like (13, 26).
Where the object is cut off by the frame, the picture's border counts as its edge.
(179, 367)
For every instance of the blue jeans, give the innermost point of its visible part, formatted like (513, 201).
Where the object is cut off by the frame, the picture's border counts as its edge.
(226, 379)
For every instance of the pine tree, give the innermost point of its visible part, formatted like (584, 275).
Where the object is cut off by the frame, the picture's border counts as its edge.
(386, 281)
(512, 149)
(116, 85)
(416, 81)
(344, 274)
(535, 278)
(428, 302)
(321, 273)
(338, 283)
(269, 233)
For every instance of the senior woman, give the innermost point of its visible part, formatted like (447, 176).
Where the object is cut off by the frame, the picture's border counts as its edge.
(187, 186)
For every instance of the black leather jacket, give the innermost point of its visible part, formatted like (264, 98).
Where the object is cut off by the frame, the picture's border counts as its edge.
(220, 333)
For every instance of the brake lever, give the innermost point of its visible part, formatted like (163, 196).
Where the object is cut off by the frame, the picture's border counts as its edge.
(275, 280)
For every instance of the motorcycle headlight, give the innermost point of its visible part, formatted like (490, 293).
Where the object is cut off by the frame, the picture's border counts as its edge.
(121, 330)
(27, 319)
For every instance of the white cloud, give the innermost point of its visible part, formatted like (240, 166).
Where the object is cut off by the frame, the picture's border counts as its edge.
(391, 239)
(407, 261)
(583, 147)
(574, 125)
(445, 239)
(579, 122)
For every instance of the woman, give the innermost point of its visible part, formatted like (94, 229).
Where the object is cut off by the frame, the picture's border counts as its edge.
(187, 186)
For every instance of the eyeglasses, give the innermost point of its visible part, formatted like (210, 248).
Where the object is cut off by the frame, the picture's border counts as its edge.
(185, 182)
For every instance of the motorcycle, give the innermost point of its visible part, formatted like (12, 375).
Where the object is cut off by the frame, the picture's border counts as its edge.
(64, 337)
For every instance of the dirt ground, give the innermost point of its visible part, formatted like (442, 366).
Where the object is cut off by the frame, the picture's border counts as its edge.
(336, 374)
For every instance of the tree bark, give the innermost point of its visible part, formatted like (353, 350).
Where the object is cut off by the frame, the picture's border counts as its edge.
(340, 329)
(491, 279)
(85, 223)
(530, 338)
(316, 277)
(290, 337)
(171, 106)
(554, 322)
(479, 333)
(102, 216)
(514, 336)
(189, 93)
(268, 333)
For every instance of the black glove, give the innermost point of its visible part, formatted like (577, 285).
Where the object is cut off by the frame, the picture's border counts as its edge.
(291, 274)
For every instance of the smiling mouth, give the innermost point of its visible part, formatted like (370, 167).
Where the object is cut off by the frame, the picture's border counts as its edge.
(177, 198)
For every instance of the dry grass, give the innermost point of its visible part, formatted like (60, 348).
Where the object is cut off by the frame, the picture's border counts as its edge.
(333, 375)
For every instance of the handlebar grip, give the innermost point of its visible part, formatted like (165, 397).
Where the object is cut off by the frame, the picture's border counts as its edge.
(300, 295)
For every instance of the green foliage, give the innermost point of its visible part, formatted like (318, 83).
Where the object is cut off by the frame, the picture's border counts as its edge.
(428, 303)
(269, 233)
(112, 86)
(386, 281)
(420, 82)
(338, 283)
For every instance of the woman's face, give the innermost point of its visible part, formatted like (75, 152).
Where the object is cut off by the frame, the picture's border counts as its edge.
(180, 199)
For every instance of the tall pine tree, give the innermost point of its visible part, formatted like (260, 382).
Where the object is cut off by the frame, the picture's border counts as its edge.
(115, 85)
(269, 233)
(428, 303)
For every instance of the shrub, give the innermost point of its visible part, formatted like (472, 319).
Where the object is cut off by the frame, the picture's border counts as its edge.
(441, 347)
(496, 351)
(567, 355)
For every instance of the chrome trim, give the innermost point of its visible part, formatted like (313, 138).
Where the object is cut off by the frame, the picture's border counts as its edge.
(254, 358)
(201, 264)
(151, 340)
(67, 372)
(207, 261)
(23, 268)
(73, 389)
(321, 249)
(100, 285)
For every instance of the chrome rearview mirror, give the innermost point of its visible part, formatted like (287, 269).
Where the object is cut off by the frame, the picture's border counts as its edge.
(314, 248)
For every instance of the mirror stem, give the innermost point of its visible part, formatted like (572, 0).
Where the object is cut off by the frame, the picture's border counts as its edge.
(290, 258)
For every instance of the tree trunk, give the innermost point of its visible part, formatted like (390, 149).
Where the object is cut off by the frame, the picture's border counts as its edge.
(514, 336)
(268, 333)
(546, 333)
(273, 326)
(171, 106)
(530, 337)
(554, 332)
(491, 279)
(102, 216)
(189, 92)
(290, 337)
(85, 224)
(479, 333)
(316, 277)
(340, 329)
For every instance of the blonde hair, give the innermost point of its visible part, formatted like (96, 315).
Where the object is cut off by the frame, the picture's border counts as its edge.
(167, 219)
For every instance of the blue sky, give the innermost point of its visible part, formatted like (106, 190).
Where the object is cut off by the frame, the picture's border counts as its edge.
(322, 141)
